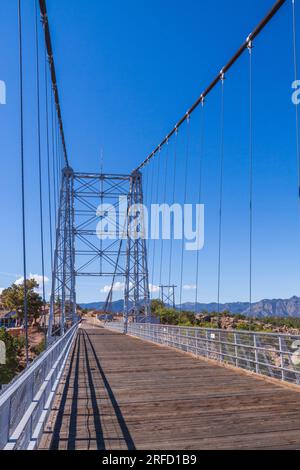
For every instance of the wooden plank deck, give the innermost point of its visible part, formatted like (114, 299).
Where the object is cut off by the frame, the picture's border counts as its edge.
(118, 392)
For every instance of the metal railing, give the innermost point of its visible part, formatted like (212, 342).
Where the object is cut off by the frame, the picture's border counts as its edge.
(269, 354)
(26, 402)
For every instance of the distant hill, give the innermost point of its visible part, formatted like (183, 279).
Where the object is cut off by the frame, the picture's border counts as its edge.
(117, 306)
(264, 308)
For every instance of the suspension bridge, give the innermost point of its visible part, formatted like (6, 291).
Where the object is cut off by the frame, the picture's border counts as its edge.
(134, 383)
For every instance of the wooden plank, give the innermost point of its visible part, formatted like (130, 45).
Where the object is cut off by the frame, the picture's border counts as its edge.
(119, 392)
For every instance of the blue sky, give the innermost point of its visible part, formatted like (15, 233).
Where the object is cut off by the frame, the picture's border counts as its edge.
(126, 72)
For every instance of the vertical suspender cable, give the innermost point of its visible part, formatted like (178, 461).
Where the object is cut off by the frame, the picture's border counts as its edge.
(155, 222)
(221, 195)
(250, 179)
(200, 194)
(296, 77)
(23, 179)
(173, 202)
(40, 161)
(185, 200)
(58, 164)
(145, 185)
(164, 201)
(150, 200)
(252, 36)
(145, 182)
(50, 194)
(55, 186)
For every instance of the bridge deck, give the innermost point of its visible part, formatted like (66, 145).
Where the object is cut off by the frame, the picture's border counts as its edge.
(119, 392)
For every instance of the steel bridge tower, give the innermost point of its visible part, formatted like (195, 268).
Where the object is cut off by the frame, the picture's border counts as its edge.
(100, 233)
(63, 295)
(137, 294)
(168, 295)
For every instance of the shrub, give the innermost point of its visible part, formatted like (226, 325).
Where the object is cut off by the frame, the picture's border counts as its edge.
(10, 369)
(37, 350)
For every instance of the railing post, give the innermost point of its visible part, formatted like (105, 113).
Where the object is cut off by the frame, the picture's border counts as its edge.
(257, 370)
(281, 359)
(236, 350)
(206, 344)
(220, 348)
(9, 419)
(196, 342)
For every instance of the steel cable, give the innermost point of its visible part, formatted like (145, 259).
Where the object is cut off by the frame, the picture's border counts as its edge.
(25, 306)
(173, 202)
(250, 180)
(185, 201)
(164, 202)
(252, 36)
(54, 172)
(155, 222)
(150, 201)
(202, 124)
(50, 201)
(40, 162)
(221, 193)
(296, 77)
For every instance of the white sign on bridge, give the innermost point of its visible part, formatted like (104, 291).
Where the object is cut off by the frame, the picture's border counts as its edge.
(2, 353)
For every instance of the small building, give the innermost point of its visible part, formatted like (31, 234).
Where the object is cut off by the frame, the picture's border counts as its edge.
(8, 320)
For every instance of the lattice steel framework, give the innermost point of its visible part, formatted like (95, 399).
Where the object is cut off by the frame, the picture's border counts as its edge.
(63, 296)
(100, 234)
(167, 295)
(100, 224)
(137, 295)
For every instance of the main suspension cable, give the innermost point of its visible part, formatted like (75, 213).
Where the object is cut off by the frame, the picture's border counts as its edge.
(49, 50)
(276, 7)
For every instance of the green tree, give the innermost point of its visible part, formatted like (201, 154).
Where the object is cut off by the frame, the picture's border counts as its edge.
(10, 368)
(13, 299)
(156, 305)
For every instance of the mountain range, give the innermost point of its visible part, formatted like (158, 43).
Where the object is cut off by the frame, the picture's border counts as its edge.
(264, 308)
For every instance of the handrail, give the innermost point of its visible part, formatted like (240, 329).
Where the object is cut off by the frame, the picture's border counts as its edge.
(269, 354)
(218, 330)
(26, 402)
